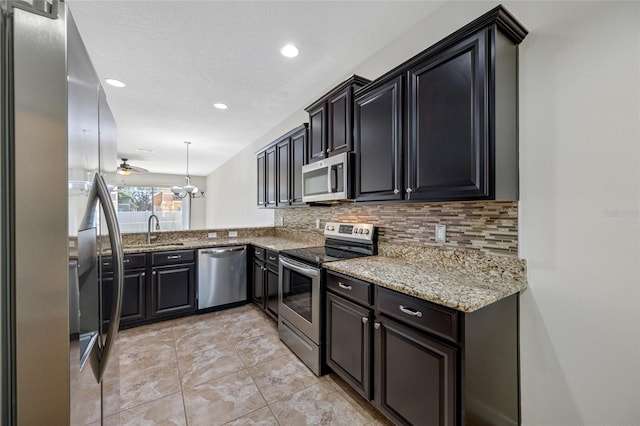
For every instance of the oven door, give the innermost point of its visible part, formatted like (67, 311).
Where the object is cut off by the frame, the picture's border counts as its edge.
(299, 296)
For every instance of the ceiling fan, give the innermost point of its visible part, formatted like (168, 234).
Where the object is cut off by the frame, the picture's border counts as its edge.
(127, 169)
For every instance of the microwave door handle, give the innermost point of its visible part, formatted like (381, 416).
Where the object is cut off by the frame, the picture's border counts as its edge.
(333, 179)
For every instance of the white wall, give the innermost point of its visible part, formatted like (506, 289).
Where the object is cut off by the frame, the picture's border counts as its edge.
(198, 205)
(579, 209)
(233, 185)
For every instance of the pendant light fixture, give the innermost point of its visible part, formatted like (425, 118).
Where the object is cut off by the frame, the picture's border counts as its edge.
(188, 189)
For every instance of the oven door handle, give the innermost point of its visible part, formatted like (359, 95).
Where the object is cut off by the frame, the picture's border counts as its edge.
(299, 267)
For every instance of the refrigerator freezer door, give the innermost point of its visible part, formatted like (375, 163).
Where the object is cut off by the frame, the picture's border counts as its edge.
(37, 182)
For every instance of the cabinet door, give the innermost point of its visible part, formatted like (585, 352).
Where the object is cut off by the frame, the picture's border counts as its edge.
(340, 124)
(133, 297)
(348, 348)
(415, 376)
(271, 176)
(283, 160)
(261, 181)
(258, 283)
(272, 290)
(173, 290)
(298, 147)
(378, 143)
(317, 133)
(448, 156)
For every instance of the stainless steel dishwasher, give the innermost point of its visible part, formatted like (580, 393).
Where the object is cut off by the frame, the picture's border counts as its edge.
(222, 277)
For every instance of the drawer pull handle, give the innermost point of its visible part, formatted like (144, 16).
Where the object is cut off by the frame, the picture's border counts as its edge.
(258, 252)
(272, 258)
(346, 287)
(127, 260)
(376, 325)
(411, 312)
(177, 256)
(365, 320)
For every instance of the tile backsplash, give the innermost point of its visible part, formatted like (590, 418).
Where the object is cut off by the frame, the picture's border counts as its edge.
(485, 226)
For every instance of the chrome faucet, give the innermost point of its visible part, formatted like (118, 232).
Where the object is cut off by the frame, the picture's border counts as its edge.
(149, 227)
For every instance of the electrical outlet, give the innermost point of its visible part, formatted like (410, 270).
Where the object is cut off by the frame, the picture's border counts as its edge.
(233, 234)
(441, 234)
(281, 221)
(212, 235)
(317, 223)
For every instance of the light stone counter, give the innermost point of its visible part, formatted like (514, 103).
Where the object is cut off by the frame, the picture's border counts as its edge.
(270, 243)
(466, 282)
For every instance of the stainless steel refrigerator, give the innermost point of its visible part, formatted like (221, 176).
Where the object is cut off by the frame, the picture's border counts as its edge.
(58, 223)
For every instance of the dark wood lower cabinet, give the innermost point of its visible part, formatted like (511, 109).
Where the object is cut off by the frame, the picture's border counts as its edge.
(264, 282)
(420, 363)
(415, 376)
(173, 290)
(133, 298)
(349, 339)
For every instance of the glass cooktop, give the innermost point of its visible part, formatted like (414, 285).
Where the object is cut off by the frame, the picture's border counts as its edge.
(319, 255)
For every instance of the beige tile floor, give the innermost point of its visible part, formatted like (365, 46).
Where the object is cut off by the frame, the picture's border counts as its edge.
(226, 368)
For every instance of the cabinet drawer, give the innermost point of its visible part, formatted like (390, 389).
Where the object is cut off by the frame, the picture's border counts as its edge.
(418, 313)
(259, 253)
(352, 289)
(272, 257)
(131, 261)
(172, 257)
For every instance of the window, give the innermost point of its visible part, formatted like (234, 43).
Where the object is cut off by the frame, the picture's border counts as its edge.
(135, 204)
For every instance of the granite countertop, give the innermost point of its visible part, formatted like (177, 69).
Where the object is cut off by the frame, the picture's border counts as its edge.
(462, 288)
(270, 243)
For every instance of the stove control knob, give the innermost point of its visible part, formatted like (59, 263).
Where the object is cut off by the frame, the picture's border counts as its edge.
(360, 231)
(330, 227)
(355, 230)
(366, 231)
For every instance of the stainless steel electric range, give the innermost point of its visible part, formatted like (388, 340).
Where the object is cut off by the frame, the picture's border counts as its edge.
(301, 287)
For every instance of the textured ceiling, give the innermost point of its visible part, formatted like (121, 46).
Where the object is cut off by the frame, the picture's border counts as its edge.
(178, 58)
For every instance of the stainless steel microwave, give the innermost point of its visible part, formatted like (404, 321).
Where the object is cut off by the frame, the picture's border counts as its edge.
(328, 180)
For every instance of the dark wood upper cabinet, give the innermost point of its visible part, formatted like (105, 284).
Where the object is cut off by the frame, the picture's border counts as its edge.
(458, 115)
(331, 120)
(283, 156)
(298, 142)
(279, 168)
(262, 178)
(317, 132)
(270, 174)
(448, 156)
(378, 141)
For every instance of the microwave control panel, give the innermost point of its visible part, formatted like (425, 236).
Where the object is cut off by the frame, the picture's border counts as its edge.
(355, 231)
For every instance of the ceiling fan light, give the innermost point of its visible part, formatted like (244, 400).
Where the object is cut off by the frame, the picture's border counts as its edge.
(124, 172)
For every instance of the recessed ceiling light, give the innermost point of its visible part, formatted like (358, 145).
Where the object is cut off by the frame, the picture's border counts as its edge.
(221, 106)
(290, 51)
(146, 150)
(115, 83)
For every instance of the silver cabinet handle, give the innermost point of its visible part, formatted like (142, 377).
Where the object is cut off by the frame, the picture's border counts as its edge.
(346, 287)
(127, 260)
(272, 258)
(395, 191)
(410, 311)
(153, 273)
(328, 151)
(376, 325)
(409, 190)
(144, 274)
(365, 320)
(257, 252)
(177, 256)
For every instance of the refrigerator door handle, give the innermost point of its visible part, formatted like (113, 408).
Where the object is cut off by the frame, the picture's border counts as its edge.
(102, 193)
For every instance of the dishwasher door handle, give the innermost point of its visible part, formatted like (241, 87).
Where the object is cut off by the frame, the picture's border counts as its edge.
(223, 250)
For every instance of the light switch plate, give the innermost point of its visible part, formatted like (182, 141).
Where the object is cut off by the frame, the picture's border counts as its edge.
(317, 223)
(212, 235)
(233, 234)
(441, 233)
